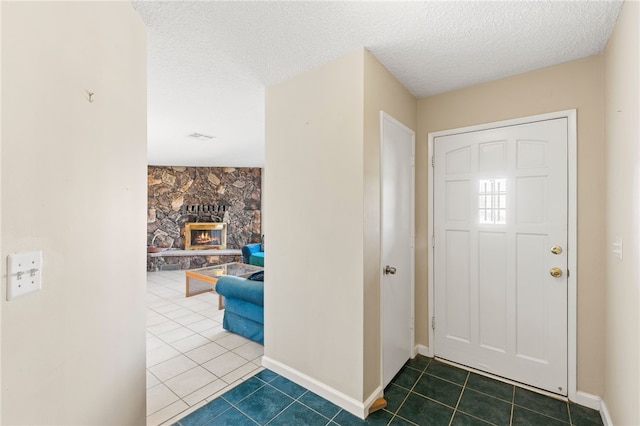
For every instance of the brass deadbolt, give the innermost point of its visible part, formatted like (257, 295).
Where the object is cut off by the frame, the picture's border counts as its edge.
(556, 272)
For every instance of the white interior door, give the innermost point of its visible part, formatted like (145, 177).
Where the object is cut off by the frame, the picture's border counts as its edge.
(500, 224)
(397, 245)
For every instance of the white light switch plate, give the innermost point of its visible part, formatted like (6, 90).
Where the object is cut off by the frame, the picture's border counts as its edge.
(617, 248)
(24, 273)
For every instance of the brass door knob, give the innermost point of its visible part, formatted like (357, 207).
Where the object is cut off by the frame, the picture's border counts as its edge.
(556, 249)
(556, 272)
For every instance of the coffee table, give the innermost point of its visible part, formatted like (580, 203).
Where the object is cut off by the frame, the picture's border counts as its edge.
(204, 279)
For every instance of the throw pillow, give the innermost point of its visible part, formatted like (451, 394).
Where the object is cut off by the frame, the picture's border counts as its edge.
(256, 276)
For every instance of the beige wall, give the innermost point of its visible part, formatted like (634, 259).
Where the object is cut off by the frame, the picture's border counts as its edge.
(322, 310)
(622, 88)
(382, 92)
(314, 224)
(578, 85)
(72, 173)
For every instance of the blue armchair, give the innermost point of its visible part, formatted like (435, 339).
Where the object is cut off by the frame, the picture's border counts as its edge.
(243, 306)
(253, 254)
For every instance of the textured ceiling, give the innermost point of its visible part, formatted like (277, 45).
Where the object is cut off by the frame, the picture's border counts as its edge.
(209, 62)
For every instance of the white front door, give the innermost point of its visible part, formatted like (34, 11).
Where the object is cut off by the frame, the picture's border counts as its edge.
(397, 222)
(500, 257)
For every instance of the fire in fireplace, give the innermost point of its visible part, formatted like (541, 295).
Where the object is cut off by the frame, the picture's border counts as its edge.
(205, 235)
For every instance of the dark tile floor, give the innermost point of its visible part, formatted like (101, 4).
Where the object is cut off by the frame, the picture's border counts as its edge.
(425, 392)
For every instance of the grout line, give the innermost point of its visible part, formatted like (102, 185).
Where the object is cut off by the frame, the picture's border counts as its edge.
(513, 404)
(542, 414)
(315, 411)
(280, 412)
(455, 409)
(167, 289)
(570, 416)
(422, 373)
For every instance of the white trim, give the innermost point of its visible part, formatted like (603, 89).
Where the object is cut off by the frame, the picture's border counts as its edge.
(430, 248)
(572, 253)
(423, 350)
(604, 414)
(352, 405)
(412, 272)
(587, 400)
(572, 159)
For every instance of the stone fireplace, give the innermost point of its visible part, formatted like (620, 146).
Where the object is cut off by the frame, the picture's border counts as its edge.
(205, 196)
(204, 236)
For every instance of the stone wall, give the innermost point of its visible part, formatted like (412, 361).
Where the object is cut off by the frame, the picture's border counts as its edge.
(177, 195)
(165, 261)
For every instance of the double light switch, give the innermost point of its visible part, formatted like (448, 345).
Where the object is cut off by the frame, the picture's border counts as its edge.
(24, 273)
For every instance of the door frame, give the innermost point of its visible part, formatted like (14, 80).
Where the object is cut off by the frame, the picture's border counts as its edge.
(572, 159)
(412, 273)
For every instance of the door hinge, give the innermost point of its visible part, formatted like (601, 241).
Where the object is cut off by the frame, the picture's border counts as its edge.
(433, 323)
(433, 161)
(433, 241)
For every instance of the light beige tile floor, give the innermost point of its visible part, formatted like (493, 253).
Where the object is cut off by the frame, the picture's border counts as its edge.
(190, 358)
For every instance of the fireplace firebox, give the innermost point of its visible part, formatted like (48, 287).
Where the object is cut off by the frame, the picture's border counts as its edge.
(205, 235)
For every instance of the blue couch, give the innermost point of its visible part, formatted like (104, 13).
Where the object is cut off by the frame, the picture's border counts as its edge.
(253, 254)
(243, 306)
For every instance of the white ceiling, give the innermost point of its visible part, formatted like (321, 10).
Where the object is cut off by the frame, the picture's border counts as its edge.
(210, 61)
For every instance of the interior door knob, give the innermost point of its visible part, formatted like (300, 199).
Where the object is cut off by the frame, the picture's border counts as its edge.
(556, 272)
(389, 270)
(556, 249)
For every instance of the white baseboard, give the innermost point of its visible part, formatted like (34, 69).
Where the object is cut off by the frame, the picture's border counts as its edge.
(423, 350)
(604, 414)
(586, 400)
(352, 405)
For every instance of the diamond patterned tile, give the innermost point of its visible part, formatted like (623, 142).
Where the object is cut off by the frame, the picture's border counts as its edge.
(173, 367)
(584, 416)
(239, 372)
(298, 414)
(542, 404)
(407, 377)
(232, 341)
(206, 352)
(477, 405)
(423, 411)
(447, 372)
(205, 392)
(190, 381)
(319, 404)
(205, 414)
(224, 364)
(439, 390)
(264, 404)
(243, 390)
(379, 418)
(524, 417)
(395, 396)
(491, 387)
(159, 397)
(424, 392)
(189, 343)
(420, 362)
(161, 354)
